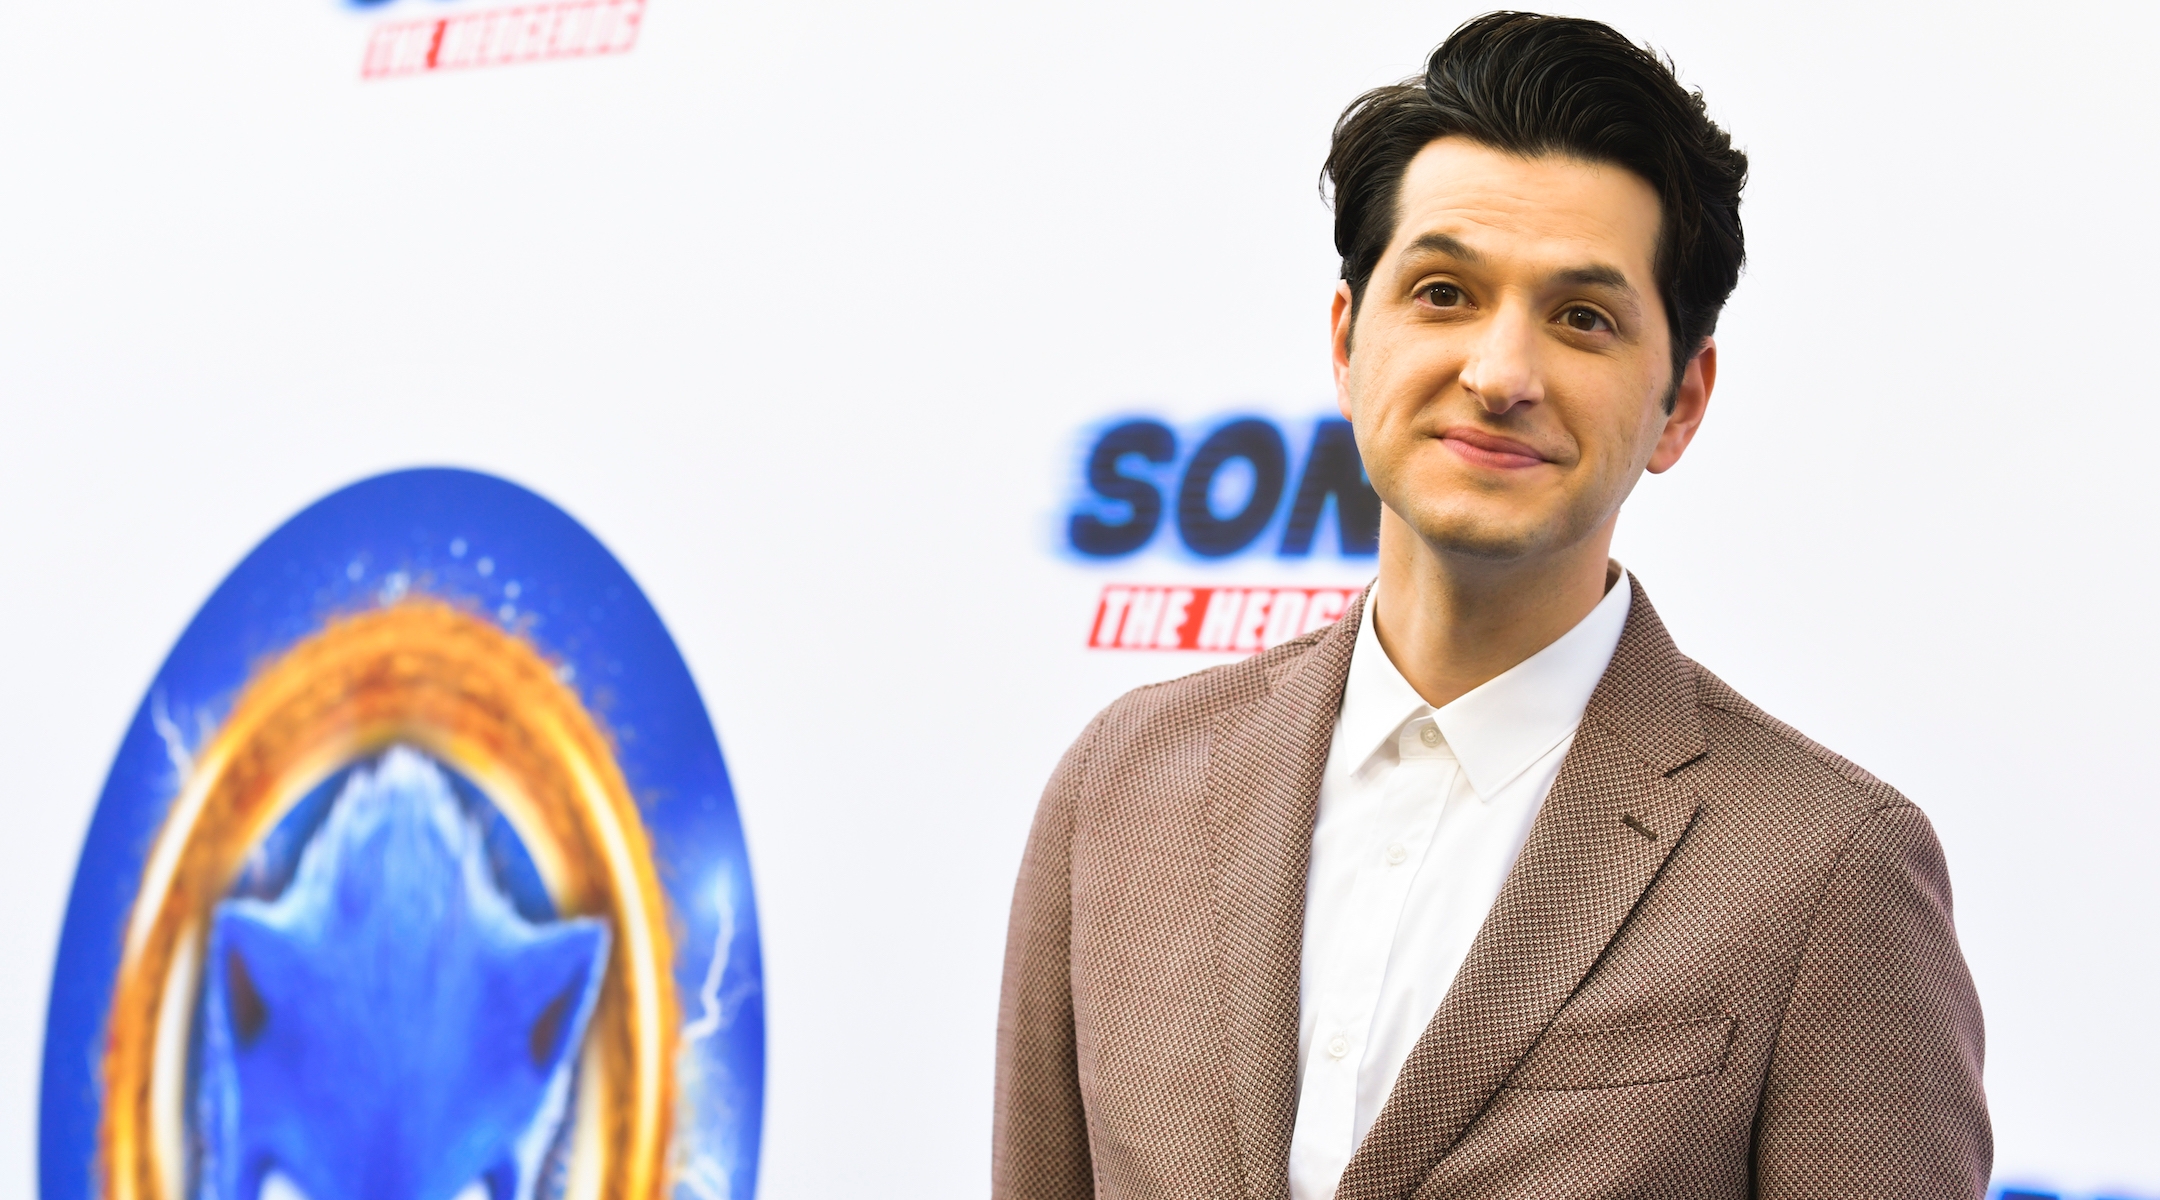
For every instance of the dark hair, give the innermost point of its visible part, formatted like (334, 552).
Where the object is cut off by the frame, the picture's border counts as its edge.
(1535, 85)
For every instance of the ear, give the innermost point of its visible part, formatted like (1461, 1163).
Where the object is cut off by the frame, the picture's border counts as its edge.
(501, 1181)
(1340, 316)
(1691, 402)
(247, 968)
(559, 974)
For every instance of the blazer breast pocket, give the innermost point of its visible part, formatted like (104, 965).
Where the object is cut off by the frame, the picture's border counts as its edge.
(1576, 1059)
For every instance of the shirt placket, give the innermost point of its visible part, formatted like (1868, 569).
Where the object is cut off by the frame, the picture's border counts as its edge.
(1397, 838)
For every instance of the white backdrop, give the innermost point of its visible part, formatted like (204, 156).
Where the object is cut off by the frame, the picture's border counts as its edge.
(804, 309)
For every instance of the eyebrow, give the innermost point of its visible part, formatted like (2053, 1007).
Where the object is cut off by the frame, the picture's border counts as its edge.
(1592, 275)
(1596, 275)
(1440, 243)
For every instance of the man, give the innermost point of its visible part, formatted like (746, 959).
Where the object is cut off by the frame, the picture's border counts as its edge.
(1486, 890)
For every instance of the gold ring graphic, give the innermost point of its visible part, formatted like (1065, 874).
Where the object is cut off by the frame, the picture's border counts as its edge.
(484, 702)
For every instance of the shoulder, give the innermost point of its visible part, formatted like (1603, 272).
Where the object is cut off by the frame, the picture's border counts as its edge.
(1181, 714)
(1753, 759)
(1788, 830)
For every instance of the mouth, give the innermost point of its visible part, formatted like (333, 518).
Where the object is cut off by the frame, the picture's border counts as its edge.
(1482, 449)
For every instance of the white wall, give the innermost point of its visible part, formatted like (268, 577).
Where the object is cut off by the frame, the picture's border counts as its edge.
(801, 308)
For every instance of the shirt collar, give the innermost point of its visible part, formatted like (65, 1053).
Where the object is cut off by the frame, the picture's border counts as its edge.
(1504, 725)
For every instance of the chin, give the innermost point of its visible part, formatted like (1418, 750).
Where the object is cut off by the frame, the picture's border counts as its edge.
(1495, 537)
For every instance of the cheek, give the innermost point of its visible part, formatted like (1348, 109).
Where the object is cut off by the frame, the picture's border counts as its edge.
(1615, 445)
(1615, 421)
(1395, 380)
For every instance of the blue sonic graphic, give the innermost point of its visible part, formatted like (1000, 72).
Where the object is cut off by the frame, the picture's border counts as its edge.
(390, 1025)
(376, 992)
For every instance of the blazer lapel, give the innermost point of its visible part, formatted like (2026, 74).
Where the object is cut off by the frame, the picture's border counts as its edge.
(1263, 786)
(1612, 819)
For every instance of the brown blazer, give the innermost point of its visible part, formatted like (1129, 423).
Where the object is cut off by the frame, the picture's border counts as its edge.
(1723, 965)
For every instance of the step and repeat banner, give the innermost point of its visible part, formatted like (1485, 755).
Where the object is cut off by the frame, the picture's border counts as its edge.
(552, 545)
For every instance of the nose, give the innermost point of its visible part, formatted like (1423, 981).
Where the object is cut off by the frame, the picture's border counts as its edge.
(1503, 369)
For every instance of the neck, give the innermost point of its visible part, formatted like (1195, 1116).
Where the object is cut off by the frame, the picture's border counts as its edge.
(1452, 622)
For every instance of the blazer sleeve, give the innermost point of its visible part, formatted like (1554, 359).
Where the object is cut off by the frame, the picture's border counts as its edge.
(1874, 1086)
(1039, 1140)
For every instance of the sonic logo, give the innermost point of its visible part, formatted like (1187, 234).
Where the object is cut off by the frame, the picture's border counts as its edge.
(1294, 494)
(394, 964)
(502, 36)
(1216, 620)
(1226, 492)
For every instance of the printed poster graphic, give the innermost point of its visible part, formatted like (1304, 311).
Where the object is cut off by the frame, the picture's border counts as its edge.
(1260, 496)
(417, 874)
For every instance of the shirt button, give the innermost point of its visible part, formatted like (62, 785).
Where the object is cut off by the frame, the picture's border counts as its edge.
(1430, 735)
(1396, 853)
(1338, 1046)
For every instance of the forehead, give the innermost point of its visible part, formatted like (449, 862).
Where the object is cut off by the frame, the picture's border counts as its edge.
(1549, 210)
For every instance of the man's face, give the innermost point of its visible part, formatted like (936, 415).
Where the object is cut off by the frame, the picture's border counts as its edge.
(1510, 358)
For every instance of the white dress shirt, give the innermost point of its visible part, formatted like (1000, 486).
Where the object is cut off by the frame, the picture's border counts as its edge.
(1421, 815)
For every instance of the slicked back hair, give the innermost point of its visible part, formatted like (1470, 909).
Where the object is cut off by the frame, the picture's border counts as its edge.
(1537, 85)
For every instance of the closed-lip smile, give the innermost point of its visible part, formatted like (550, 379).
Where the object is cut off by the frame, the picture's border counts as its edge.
(1490, 450)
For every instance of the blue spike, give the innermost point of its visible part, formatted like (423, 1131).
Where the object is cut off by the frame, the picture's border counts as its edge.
(389, 1025)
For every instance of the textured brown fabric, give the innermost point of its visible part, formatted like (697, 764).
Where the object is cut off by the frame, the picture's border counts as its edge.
(1723, 965)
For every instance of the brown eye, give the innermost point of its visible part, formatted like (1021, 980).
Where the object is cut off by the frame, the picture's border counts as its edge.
(1586, 320)
(1443, 295)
